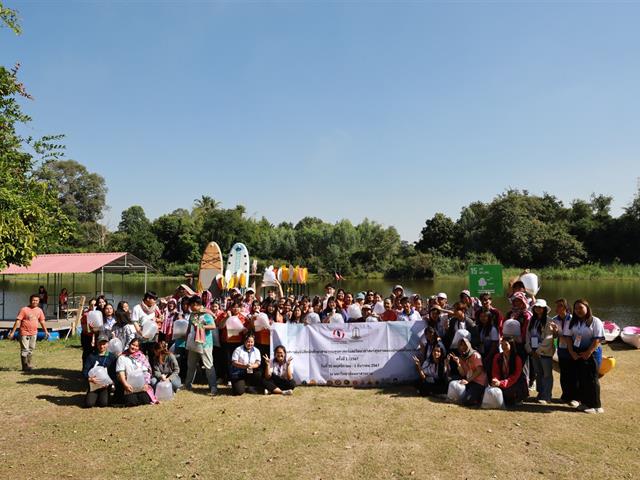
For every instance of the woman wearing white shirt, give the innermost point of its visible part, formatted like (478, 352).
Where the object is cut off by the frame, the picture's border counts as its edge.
(245, 366)
(583, 336)
(278, 373)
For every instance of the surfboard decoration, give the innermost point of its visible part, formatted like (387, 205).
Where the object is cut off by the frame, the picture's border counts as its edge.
(238, 263)
(210, 266)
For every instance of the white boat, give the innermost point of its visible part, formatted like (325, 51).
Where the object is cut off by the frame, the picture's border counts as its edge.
(631, 335)
(611, 331)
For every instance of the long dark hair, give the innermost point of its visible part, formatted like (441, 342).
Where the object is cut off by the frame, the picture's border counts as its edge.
(160, 351)
(122, 318)
(542, 320)
(575, 319)
(512, 355)
(485, 329)
(441, 362)
(281, 347)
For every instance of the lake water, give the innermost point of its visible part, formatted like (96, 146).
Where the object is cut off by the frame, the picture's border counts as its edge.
(615, 300)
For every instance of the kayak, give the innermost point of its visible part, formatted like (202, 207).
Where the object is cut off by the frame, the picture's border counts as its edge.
(611, 331)
(631, 335)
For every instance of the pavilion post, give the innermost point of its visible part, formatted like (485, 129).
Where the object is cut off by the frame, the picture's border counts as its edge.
(145, 279)
(102, 281)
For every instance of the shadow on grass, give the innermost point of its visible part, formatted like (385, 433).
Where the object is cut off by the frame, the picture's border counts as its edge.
(76, 400)
(404, 391)
(397, 391)
(618, 345)
(63, 379)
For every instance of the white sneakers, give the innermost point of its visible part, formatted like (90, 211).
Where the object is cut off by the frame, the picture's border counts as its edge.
(594, 410)
(287, 392)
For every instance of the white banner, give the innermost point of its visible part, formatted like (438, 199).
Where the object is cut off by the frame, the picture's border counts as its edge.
(358, 354)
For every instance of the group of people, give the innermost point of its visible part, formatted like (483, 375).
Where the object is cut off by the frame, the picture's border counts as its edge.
(469, 343)
(474, 345)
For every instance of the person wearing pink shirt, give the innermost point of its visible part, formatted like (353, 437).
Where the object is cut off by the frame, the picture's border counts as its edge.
(474, 377)
(27, 321)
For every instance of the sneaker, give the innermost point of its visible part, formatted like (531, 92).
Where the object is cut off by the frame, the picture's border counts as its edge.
(542, 402)
(600, 410)
(574, 403)
(590, 410)
(266, 392)
(213, 393)
(287, 392)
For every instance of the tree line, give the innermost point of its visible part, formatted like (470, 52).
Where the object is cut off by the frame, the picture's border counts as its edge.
(516, 229)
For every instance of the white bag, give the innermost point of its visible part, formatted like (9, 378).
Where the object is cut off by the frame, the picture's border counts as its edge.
(164, 391)
(234, 326)
(191, 342)
(94, 319)
(456, 390)
(492, 398)
(149, 329)
(336, 318)
(261, 322)
(135, 378)
(354, 312)
(311, 318)
(102, 378)
(180, 328)
(115, 346)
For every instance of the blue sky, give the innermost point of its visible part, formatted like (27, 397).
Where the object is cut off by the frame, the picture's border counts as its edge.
(388, 110)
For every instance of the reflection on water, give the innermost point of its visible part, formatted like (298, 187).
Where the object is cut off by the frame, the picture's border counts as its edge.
(615, 300)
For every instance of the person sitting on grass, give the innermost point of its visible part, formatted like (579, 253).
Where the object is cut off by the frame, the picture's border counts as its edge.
(278, 372)
(474, 378)
(507, 374)
(133, 360)
(245, 367)
(433, 372)
(102, 357)
(165, 366)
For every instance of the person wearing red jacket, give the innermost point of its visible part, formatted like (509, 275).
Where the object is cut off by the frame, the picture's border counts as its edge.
(506, 373)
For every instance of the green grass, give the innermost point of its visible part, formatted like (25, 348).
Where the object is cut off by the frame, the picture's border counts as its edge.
(329, 433)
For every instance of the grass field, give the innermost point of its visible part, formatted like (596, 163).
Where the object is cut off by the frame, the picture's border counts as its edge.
(328, 433)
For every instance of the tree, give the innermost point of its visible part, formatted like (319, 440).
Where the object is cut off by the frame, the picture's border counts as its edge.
(176, 232)
(32, 221)
(135, 235)
(438, 235)
(81, 193)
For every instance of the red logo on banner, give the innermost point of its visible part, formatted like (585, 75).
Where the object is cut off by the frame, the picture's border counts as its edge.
(338, 333)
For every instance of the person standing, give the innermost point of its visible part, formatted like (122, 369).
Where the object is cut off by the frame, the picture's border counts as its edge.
(43, 295)
(582, 337)
(201, 326)
(27, 321)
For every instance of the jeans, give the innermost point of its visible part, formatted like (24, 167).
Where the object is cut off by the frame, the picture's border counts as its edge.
(175, 383)
(543, 367)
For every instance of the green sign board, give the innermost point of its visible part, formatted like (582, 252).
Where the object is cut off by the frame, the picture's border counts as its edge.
(485, 279)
